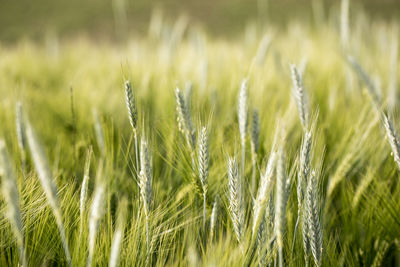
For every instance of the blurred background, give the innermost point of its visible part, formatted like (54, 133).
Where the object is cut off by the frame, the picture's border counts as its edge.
(114, 20)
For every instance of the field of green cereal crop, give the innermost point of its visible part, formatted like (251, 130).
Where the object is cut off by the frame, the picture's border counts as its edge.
(275, 147)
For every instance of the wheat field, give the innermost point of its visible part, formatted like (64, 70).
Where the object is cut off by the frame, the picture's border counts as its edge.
(277, 147)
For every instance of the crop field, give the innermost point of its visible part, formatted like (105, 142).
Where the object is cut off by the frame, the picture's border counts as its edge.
(275, 147)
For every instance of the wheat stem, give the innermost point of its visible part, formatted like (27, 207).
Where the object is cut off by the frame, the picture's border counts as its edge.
(11, 198)
(243, 119)
(46, 180)
(84, 187)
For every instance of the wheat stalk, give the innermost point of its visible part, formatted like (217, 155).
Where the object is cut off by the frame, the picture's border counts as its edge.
(371, 89)
(243, 118)
(203, 166)
(213, 218)
(281, 201)
(11, 198)
(96, 212)
(99, 133)
(236, 204)
(119, 232)
(255, 135)
(21, 135)
(46, 180)
(84, 187)
(263, 191)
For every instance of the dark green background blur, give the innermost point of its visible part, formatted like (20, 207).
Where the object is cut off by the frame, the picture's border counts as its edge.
(34, 19)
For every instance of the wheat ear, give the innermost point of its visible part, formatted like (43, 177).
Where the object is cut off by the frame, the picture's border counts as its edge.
(235, 198)
(184, 120)
(300, 96)
(312, 209)
(392, 138)
(145, 181)
(203, 154)
(133, 117)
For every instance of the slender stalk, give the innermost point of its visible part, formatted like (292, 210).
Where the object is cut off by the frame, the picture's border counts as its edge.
(48, 185)
(281, 200)
(84, 188)
(11, 197)
(243, 119)
(254, 171)
(137, 161)
(147, 236)
(255, 132)
(263, 192)
(213, 219)
(96, 213)
(119, 233)
(21, 135)
(204, 211)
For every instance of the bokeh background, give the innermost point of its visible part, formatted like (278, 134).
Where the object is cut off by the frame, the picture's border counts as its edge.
(113, 20)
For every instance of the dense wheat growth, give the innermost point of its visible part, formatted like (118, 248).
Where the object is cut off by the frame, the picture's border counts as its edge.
(277, 147)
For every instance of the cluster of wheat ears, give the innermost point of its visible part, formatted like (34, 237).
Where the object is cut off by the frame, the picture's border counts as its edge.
(254, 205)
(268, 214)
